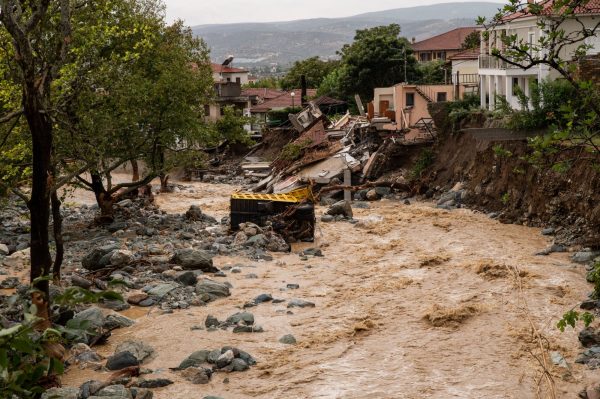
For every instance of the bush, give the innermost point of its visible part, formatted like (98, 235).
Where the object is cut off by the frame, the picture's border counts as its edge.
(423, 162)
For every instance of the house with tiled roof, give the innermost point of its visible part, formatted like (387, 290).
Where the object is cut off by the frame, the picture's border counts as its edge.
(499, 78)
(443, 46)
(228, 89)
(225, 73)
(465, 69)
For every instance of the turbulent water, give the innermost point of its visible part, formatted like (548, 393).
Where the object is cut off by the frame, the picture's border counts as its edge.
(412, 302)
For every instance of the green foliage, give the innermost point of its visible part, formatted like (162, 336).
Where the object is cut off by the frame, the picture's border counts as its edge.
(501, 152)
(505, 199)
(433, 72)
(594, 278)
(269, 82)
(24, 361)
(332, 83)
(425, 160)
(571, 318)
(472, 41)
(314, 69)
(293, 151)
(281, 117)
(231, 126)
(376, 58)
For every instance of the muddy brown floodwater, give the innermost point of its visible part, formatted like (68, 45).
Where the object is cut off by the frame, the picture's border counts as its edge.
(413, 302)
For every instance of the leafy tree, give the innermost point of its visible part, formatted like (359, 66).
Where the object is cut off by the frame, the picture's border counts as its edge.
(472, 41)
(230, 127)
(432, 72)
(564, 31)
(332, 83)
(269, 82)
(314, 69)
(378, 57)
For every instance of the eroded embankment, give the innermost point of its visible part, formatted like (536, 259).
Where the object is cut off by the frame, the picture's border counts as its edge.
(411, 302)
(498, 178)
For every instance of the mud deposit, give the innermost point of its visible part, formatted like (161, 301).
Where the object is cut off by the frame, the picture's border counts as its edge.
(424, 304)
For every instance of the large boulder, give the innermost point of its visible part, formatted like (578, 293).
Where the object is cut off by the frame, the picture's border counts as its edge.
(138, 349)
(194, 259)
(343, 208)
(98, 257)
(92, 315)
(62, 393)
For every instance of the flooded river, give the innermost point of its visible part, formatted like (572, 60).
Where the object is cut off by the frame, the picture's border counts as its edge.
(412, 302)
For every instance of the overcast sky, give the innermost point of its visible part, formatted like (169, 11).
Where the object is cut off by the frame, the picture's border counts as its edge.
(197, 12)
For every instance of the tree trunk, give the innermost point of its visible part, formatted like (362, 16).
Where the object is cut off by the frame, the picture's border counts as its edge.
(104, 200)
(40, 126)
(164, 183)
(58, 238)
(136, 170)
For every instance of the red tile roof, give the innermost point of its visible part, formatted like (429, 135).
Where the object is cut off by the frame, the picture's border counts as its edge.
(218, 68)
(451, 40)
(283, 101)
(472, 54)
(592, 7)
(264, 93)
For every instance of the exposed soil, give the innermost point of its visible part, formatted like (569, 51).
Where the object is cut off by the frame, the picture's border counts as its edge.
(404, 308)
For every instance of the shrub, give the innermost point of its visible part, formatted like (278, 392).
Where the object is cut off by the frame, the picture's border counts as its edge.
(425, 160)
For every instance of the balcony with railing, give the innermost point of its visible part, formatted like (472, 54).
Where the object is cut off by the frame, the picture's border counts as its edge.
(492, 62)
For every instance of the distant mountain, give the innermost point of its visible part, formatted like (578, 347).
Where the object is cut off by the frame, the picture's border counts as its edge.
(286, 42)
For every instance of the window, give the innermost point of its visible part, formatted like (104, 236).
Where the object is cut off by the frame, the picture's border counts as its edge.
(229, 79)
(238, 80)
(515, 86)
(424, 57)
(207, 110)
(441, 55)
(410, 99)
(442, 97)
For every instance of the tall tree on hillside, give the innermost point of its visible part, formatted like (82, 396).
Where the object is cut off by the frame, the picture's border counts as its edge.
(378, 57)
(314, 69)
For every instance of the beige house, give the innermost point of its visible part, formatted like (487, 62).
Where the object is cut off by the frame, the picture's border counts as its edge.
(441, 47)
(228, 87)
(499, 78)
(407, 103)
(465, 69)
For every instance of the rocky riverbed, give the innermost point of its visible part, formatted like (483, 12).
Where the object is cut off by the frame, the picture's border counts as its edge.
(393, 299)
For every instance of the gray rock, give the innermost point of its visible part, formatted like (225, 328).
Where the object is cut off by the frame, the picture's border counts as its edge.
(288, 339)
(277, 243)
(141, 393)
(188, 278)
(211, 321)
(93, 315)
(213, 356)
(4, 251)
(343, 208)
(196, 375)
(211, 290)
(115, 392)
(300, 303)
(115, 320)
(589, 337)
(372, 195)
(258, 240)
(121, 257)
(312, 252)
(121, 360)
(98, 258)
(79, 281)
(138, 349)
(584, 256)
(548, 231)
(263, 298)
(225, 359)
(194, 259)
(154, 383)
(327, 218)
(239, 365)
(115, 305)
(293, 286)
(251, 276)
(162, 289)
(242, 317)
(196, 359)
(61, 393)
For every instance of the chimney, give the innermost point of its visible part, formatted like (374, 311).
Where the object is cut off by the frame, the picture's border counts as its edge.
(304, 90)
(414, 40)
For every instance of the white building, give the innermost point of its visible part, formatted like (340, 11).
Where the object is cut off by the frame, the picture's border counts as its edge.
(499, 78)
(224, 74)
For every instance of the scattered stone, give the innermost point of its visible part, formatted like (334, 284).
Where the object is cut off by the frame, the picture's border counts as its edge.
(263, 298)
(161, 290)
(300, 303)
(225, 359)
(251, 276)
(121, 257)
(10, 282)
(590, 304)
(93, 315)
(114, 392)
(115, 320)
(209, 290)
(211, 321)
(135, 299)
(141, 393)
(584, 256)
(138, 349)
(242, 317)
(239, 365)
(548, 231)
(147, 303)
(193, 259)
(293, 286)
(79, 281)
(62, 393)
(343, 208)
(590, 357)
(197, 375)
(4, 251)
(188, 278)
(589, 337)
(196, 359)
(97, 258)
(372, 195)
(312, 252)
(288, 339)
(327, 218)
(155, 383)
(121, 360)
(558, 360)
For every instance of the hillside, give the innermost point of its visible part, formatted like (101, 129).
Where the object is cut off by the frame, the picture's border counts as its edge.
(285, 42)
